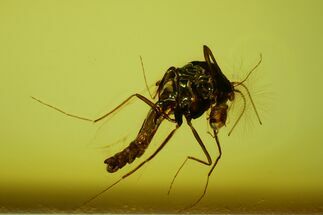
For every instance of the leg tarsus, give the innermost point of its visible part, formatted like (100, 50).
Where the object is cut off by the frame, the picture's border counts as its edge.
(60, 110)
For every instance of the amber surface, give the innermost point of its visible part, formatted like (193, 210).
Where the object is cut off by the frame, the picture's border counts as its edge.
(83, 56)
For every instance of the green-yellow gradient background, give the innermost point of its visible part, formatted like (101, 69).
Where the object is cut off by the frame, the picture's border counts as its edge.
(83, 56)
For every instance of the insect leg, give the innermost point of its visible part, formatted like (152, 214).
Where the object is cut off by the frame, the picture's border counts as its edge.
(208, 162)
(60, 110)
(138, 167)
(144, 73)
(142, 98)
(210, 172)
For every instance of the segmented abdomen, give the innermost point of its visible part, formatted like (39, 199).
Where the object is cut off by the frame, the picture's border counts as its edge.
(137, 147)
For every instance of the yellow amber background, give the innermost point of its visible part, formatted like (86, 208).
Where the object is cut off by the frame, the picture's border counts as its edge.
(83, 56)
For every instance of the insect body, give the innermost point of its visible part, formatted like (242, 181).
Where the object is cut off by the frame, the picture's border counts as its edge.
(185, 92)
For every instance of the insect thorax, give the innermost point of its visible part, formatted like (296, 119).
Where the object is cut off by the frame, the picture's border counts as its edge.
(188, 90)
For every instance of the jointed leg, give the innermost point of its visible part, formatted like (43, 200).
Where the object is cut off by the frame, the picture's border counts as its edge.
(142, 98)
(210, 172)
(63, 112)
(208, 162)
(144, 73)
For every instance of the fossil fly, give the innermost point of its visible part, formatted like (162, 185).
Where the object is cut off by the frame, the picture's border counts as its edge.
(185, 92)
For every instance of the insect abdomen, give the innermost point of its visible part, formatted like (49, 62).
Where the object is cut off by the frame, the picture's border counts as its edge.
(128, 155)
(137, 147)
